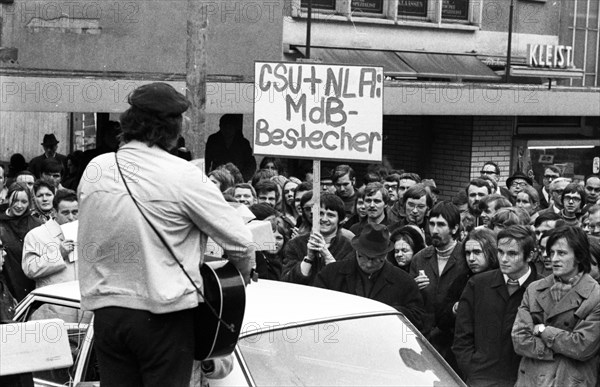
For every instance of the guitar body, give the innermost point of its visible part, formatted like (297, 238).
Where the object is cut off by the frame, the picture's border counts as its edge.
(224, 289)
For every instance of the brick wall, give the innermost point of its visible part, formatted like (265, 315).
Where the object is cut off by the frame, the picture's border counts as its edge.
(492, 141)
(450, 149)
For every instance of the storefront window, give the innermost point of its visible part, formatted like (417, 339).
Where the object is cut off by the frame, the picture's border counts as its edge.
(574, 158)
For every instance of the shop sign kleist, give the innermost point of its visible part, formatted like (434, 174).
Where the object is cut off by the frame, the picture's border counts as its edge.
(547, 55)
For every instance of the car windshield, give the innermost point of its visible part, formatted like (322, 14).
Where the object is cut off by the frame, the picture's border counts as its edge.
(378, 350)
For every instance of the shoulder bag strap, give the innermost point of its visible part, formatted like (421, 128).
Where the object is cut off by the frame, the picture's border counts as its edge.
(206, 301)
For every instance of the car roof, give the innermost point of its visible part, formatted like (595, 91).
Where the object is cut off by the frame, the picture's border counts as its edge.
(273, 303)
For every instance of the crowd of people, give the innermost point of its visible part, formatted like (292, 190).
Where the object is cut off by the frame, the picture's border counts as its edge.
(502, 281)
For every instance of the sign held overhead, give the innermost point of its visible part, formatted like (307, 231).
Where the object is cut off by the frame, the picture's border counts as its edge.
(318, 111)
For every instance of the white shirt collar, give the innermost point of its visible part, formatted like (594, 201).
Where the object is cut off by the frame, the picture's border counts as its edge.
(521, 279)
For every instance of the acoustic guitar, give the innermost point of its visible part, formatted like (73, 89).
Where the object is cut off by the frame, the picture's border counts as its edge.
(219, 330)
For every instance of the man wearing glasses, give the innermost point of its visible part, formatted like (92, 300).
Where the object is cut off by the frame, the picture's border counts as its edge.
(573, 198)
(550, 173)
(492, 170)
(515, 184)
(556, 189)
(417, 203)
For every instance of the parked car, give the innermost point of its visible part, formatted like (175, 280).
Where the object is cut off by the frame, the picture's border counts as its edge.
(291, 335)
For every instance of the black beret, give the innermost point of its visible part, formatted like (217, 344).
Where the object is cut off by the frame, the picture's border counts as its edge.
(159, 98)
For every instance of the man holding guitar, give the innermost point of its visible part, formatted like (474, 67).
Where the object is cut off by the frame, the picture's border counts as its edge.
(145, 216)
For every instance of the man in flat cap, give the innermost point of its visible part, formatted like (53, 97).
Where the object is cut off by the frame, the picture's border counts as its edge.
(143, 225)
(50, 144)
(372, 276)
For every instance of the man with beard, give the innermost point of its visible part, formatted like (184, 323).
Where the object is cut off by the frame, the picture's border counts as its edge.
(435, 270)
(476, 191)
(376, 201)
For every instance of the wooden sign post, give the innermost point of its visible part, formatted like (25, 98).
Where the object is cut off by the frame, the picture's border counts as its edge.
(318, 112)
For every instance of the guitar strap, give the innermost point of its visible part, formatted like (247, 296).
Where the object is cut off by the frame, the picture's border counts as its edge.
(210, 307)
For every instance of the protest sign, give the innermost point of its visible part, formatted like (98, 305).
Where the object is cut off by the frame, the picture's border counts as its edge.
(318, 111)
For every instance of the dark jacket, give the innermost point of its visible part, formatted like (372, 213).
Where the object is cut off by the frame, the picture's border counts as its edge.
(434, 295)
(35, 165)
(358, 227)
(7, 302)
(393, 287)
(239, 153)
(268, 266)
(12, 234)
(482, 340)
(296, 249)
(543, 202)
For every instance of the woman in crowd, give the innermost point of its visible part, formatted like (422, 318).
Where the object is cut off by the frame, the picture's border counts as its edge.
(557, 328)
(15, 223)
(222, 178)
(43, 196)
(408, 241)
(272, 164)
(288, 209)
(529, 200)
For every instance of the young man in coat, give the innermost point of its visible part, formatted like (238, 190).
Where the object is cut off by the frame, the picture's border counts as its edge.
(370, 274)
(487, 310)
(557, 328)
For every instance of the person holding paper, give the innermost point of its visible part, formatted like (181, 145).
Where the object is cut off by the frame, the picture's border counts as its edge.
(48, 254)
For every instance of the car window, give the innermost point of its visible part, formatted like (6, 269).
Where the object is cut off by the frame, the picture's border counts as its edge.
(378, 350)
(77, 323)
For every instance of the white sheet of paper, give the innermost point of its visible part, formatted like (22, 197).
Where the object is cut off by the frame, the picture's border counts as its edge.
(69, 231)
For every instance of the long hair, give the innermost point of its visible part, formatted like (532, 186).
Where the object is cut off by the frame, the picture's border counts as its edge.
(489, 245)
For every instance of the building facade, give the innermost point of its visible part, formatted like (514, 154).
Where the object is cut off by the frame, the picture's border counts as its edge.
(448, 105)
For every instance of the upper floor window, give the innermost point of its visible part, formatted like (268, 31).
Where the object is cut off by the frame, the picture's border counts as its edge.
(436, 11)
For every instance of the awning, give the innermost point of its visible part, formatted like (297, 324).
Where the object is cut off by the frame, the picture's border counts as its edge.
(453, 66)
(392, 65)
(405, 64)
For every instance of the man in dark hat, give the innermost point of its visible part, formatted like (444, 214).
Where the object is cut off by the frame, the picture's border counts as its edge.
(370, 275)
(50, 144)
(516, 182)
(139, 266)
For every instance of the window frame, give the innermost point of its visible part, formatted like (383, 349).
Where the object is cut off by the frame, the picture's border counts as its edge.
(390, 13)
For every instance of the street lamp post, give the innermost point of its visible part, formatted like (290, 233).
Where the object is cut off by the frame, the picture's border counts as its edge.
(509, 49)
